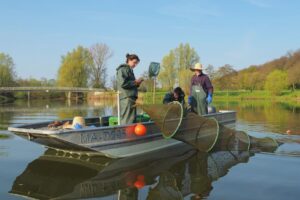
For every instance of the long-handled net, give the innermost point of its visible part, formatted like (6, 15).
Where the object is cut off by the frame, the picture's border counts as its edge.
(203, 133)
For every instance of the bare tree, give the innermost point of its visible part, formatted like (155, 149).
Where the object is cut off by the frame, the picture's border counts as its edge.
(210, 70)
(113, 81)
(100, 53)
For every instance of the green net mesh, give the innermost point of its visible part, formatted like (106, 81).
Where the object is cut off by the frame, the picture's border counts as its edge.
(231, 140)
(167, 117)
(203, 133)
(154, 69)
(198, 131)
(265, 144)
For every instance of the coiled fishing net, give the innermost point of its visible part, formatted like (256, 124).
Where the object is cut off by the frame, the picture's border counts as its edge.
(193, 129)
(203, 133)
(232, 140)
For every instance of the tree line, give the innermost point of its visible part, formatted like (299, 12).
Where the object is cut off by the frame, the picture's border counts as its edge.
(81, 67)
(87, 67)
(274, 76)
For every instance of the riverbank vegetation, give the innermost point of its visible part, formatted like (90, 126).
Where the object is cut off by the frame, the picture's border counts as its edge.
(4, 136)
(87, 66)
(279, 78)
(274, 76)
(234, 95)
(285, 95)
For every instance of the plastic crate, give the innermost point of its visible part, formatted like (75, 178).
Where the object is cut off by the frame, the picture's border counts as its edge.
(113, 121)
(143, 118)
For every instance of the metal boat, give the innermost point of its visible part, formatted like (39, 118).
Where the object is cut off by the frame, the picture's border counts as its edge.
(112, 141)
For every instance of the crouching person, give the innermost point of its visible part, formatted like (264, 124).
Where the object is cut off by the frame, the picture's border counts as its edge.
(176, 95)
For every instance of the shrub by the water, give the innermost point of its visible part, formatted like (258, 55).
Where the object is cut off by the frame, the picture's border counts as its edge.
(276, 82)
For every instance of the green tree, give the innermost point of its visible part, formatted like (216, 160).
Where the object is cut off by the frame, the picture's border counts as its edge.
(175, 67)
(147, 84)
(248, 78)
(7, 70)
(168, 74)
(254, 77)
(276, 82)
(187, 57)
(74, 68)
(35, 82)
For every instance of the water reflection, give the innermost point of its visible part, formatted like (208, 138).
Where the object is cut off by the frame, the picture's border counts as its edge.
(265, 116)
(62, 175)
(181, 173)
(20, 112)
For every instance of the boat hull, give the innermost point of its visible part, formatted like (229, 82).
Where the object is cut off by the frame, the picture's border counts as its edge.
(111, 141)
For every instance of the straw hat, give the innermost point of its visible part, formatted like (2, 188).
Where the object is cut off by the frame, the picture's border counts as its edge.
(197, 66)
(78, 121)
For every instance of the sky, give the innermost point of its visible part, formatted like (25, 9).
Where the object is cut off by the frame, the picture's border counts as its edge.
(36, 33)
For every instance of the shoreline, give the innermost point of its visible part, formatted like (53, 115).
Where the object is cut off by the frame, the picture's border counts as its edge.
(234, 95)
(260, 95)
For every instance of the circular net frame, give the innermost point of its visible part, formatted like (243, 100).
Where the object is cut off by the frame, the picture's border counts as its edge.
(203, 133)
(167, 117)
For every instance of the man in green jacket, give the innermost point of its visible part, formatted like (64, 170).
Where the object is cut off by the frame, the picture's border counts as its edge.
(128, 89)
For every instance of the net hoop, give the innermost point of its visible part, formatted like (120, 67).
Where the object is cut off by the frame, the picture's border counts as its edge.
(249, 143)
(217, 136)
(179, 123)
(275, 142)
(249, 140)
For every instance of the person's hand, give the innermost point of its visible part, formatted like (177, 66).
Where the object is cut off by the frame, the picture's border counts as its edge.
(190, 100)
(209, 98)
(139, 81)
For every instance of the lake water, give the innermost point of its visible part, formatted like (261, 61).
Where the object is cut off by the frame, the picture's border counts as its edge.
(30, 170)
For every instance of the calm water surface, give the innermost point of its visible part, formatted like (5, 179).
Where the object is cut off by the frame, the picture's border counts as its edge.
(30, 170)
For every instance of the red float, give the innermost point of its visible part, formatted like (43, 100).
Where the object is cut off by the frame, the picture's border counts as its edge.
(140, 130)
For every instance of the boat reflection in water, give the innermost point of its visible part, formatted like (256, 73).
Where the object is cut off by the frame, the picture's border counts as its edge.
(169, 174)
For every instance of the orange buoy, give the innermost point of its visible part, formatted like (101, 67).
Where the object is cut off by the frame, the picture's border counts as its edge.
(139, 184)
(140, 130)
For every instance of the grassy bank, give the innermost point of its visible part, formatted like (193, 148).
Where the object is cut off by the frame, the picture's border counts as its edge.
(256, 95)
(236, 95)
(4, 99)
(4, 136)
(147, 97)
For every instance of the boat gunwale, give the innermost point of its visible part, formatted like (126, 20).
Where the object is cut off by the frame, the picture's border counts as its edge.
(26, 128)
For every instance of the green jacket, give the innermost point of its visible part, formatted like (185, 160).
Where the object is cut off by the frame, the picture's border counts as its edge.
(126, 82)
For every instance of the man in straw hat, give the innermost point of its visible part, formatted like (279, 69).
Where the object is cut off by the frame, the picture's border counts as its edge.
(201, 90)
